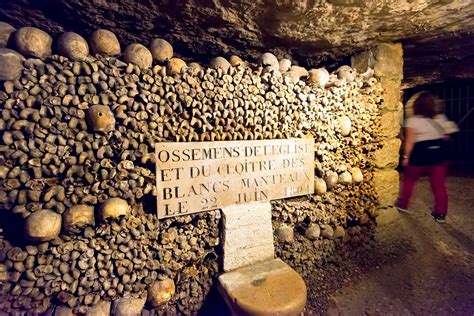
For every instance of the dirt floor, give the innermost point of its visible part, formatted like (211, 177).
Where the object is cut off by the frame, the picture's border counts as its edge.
(417, 266)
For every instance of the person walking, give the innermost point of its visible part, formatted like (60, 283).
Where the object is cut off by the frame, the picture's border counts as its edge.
(425, 151)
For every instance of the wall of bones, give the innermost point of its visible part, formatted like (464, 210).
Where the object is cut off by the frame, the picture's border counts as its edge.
(79, 228)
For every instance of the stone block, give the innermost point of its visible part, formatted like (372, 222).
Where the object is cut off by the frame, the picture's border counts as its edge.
(247, 234)
(363, 61)
(387, 215)
(243, 257)
(390, 124)
(387, 186)
(391, 93)
(388, 155)
(389, 61)
(237, 216)
(267, 288)
(234, 240)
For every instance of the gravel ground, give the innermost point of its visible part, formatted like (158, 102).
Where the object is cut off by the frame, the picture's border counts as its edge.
(417, 266)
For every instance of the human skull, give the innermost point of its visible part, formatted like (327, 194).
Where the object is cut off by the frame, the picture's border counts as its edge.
(318, 77)
(73, 46)
(104, 42)
(174, 66)
(43, 225)
(100, 118)
(33, 42)
(161, 50)
(139, 55)
(77, 217)
(114, 208)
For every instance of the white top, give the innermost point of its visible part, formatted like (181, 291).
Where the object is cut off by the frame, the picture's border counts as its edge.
(425, 128)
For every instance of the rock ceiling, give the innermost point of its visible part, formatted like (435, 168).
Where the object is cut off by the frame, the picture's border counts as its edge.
(438, 35)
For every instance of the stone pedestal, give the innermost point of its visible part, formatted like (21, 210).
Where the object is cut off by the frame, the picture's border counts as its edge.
(247, 234)
(267, 288)
(257, 284)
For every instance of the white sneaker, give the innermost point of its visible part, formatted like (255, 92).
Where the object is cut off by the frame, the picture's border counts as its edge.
(403, 210)
(439, 218)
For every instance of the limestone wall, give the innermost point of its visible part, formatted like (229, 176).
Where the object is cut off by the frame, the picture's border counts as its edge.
(387, 60)
(61, 166)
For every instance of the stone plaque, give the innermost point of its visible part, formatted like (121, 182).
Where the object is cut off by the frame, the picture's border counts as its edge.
(199, 176)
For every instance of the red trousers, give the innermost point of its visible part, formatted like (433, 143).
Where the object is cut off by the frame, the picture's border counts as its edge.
(437, 174)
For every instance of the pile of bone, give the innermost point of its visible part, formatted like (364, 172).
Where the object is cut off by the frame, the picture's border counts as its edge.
(344, 203)
(309, 232)
(105, 116)
(317, 244)
(306, 239)
(121, 258)
(79, 131)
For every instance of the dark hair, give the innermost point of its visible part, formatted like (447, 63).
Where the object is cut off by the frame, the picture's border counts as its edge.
(427, 105)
